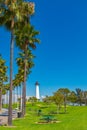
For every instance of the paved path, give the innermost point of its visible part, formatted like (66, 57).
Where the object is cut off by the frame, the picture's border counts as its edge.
(4, 116)
(3, 120)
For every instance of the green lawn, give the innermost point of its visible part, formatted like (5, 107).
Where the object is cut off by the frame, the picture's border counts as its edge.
(74, 119)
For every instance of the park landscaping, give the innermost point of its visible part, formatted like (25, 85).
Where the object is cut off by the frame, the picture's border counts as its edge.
(74, 119)
(55, 111)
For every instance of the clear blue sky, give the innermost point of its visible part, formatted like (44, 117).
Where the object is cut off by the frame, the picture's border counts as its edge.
(61, 58)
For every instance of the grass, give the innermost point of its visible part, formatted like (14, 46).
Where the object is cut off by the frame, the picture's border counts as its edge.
(74, 119)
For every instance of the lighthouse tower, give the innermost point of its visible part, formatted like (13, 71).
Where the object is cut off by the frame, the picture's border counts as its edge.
(37, 91)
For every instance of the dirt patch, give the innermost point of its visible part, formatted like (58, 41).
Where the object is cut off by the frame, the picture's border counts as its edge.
(51, 122)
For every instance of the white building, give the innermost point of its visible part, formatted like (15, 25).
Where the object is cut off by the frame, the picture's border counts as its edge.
(37, 91)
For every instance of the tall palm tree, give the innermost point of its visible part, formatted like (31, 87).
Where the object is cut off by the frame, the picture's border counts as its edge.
(8, 18)
(29, 65)
(26, 38)
(10, 11)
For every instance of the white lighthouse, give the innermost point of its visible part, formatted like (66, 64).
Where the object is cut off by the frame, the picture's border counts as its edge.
(37, 91)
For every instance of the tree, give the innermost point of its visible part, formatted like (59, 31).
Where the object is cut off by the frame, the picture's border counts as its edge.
(3, 78)
(21, 71)
(82, 98)
(48, 99)
(65, 92)
(12, 13)
(32, 100)
(26, 40)
(72, 97)
(9, 11)
(85, 97)
(58, 99)
(79, 96)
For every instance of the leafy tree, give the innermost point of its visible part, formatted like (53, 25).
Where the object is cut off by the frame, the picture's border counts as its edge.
(65, 92)
(58, 99)
(48, 99)
(72, 97)
(79, 96)
(32, 100)
(84, 97)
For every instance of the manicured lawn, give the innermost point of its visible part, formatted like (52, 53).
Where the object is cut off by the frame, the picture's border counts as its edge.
(74, 119)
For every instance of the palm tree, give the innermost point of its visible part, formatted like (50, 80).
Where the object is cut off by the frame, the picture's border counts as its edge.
(10, 11)
(26, 38)
(8, 18)
(3, 78)
(29, 65)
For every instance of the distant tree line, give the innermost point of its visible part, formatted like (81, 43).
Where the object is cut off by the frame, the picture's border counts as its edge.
(64, 97)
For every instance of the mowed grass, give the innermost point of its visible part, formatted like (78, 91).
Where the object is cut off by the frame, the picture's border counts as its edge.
(74, 119)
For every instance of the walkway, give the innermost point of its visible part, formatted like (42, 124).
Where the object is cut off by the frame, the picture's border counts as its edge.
(4, 116)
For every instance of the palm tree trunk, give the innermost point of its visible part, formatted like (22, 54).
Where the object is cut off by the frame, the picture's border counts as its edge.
(20, 100)
(14, 95)
(23, 99)
(0, 99)
(24, 86)
(24, 93)
(7, 97)
(11, 73)
(17, 98)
